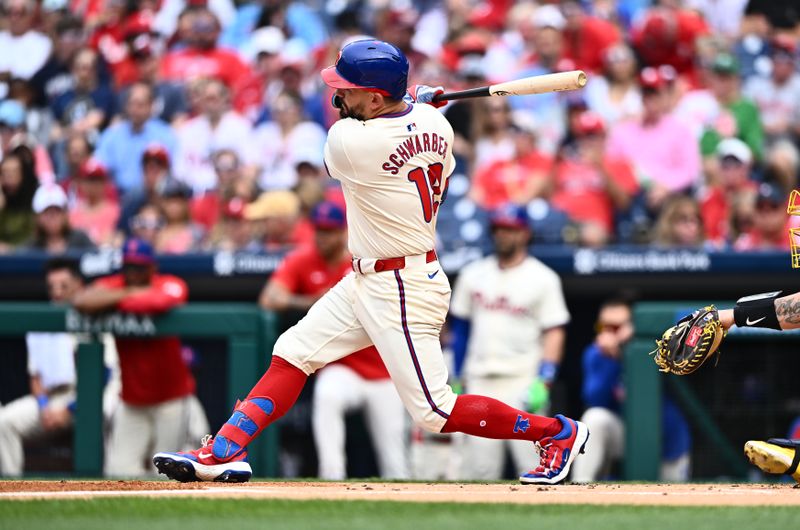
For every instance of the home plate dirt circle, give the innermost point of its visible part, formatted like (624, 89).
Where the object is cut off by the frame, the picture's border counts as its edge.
(606, 493)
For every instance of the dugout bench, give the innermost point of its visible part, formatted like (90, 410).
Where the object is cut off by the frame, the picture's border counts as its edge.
(644, 386)
(250, 334)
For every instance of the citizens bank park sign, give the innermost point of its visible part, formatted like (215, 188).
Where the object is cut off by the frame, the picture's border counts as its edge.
(589, 261)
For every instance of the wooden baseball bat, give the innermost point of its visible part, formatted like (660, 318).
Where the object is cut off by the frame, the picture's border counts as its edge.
(537, 84)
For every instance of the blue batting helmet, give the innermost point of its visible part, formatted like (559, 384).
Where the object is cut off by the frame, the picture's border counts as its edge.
(370, 65)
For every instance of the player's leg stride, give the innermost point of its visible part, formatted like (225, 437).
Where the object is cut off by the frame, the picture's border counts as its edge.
(222, 459)
(776, 456)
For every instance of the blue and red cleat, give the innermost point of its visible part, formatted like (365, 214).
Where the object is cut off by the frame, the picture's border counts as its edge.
(557, 453)
(202, 465)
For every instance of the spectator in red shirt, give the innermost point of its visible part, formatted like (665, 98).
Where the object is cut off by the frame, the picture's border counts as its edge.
(587, 38)
(157, 386)
(358, 381)
(202, 58)
(667, 36)
(590, 186)
(231, 183)
(519, 180)
(770, 223)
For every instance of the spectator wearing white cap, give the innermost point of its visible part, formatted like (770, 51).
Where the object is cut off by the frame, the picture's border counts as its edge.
(729, 198)
(53, 233)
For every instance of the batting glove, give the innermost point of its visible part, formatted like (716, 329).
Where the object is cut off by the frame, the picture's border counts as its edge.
(424, 94)
(537, 398)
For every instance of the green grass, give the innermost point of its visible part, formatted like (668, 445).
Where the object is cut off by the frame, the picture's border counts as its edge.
(229, 514)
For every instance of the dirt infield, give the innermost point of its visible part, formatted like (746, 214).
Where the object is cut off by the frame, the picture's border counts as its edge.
(639, 494)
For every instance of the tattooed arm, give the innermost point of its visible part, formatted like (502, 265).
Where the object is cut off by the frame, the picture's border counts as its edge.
(787, 309)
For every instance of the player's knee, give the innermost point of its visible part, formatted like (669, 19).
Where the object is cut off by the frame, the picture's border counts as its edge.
(286, 348)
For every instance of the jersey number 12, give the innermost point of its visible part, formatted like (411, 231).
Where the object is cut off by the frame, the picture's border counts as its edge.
(430, 197)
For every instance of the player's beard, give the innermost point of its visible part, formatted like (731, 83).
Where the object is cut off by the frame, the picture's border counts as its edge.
(506, 251)
(348, 112)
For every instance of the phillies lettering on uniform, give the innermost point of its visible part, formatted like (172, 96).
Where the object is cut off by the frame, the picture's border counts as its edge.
(500, 304)
(421, 143)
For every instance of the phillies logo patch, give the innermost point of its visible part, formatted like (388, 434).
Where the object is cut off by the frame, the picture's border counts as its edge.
(522, 424)
(694, 335)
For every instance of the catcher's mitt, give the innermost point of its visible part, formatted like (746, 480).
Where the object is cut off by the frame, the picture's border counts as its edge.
(684, 347)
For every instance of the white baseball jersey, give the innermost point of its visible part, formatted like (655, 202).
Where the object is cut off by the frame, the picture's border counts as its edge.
(508, 309)
(394, 171)
(51, 356)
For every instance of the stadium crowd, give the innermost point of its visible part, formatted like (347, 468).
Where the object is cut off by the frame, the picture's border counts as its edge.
(199, 124)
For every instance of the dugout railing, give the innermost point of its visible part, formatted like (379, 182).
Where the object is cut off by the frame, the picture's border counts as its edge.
(644, 387)
(250, 334)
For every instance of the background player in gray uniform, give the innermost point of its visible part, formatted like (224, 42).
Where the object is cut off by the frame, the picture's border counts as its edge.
(507, 318)
(51, 366)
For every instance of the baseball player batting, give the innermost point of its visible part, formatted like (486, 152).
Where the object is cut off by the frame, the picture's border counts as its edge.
(393, 157)
(687, 345)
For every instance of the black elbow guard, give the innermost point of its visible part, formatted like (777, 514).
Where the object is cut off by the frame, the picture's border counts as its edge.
(757, 311)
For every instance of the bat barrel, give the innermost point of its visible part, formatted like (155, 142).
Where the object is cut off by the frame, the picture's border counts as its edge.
(539, 84)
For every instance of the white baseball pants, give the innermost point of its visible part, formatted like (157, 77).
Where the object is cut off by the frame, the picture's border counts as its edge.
(175, 425)
(19, 421)
(400, 312)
